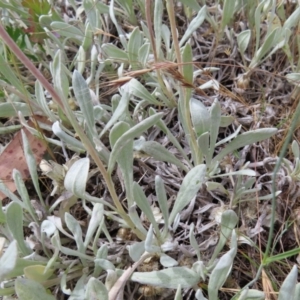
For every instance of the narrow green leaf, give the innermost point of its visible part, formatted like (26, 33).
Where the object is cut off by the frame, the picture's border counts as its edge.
(194, 25)
(144, 55)
(192, 4)
(76, 177)
(227, 14)
(14, 219)
(136, 219)
(167, 261)
(157, 151)
(256, 295)
(10, 195)
(216, 186)
(9, 129)
(283, 255)
(244, 139)
(21, 264)
(83, 96)
(168, 278)
(199, 295)
(203, 143)
(178, 295)
(48, 228)
(293, 19)
(2, 214)
(112, 15)
(128, 7)
(38, 273)
(57, 244)
(136, 250)
(257, 18)
(166, 37)
(243, 40)
(124, 158)
(226, 121)
(96, 290)
(120, 111)
(138, 90)
(96, 219)
(150, 245)
(157, 23)
(68, 30)
(71, 142)
(80, 60)
(104, 264)
(134, 44)
(7, 291)
(200, 116)
(88, 34)
(100, 253)
(245, 172)
(295, 149)
(287, 290)
(187, 57)
(293, 78)
(11, 6)
(143, 204)
(215, 115)
(103, 8)
(129, 135)
(8, 260)
(10, 75)
(268, 44)
(229, 137)
(193, 241)
(27, 289)
(95, 69)
(60, 79)
(188, 189)
(75, 228)
(113, 52)
(22, 190)
(200, 269)
(8, 110)
(228, 222)
(40, 98)
(163, 127)
(79, 290)
(92, 15)
(297, 292)
(220, 274)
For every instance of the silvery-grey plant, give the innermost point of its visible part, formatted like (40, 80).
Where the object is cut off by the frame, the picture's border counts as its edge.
(201, 125)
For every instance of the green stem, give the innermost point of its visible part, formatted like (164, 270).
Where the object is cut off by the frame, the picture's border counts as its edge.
(277, 166)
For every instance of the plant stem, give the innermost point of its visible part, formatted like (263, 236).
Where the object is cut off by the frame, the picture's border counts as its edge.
(184, 93)
(277, 166)
(150, 28)
(171, 13)
(153, 45)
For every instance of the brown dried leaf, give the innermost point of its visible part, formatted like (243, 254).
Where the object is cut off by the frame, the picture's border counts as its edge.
(13, 158)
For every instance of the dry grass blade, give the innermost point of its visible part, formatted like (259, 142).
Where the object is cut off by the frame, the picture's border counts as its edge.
(267, 287)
